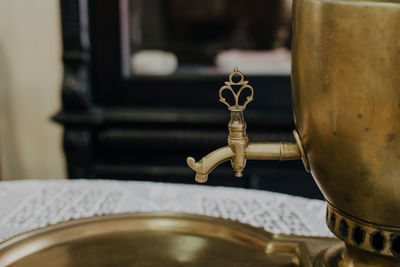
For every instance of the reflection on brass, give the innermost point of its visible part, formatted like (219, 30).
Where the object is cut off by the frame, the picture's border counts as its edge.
(158, 239)
(346, 104)
(239, 149)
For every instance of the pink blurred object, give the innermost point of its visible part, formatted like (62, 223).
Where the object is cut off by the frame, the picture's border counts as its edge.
(275, 62)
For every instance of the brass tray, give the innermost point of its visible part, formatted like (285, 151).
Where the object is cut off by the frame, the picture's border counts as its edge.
(158, 239)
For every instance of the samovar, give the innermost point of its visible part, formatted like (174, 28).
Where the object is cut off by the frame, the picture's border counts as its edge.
(346, 105)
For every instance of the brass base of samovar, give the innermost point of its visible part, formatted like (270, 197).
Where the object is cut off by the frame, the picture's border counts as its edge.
(349, 256)
(365, 244)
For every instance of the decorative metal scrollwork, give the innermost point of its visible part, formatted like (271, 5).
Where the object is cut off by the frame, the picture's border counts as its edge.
(243, 85)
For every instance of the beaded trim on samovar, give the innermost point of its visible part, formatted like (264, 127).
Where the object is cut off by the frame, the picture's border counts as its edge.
(382, 240)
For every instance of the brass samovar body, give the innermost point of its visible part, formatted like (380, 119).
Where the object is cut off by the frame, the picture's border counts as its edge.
(346, 105)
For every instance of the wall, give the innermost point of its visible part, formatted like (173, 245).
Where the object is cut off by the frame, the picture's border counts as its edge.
(30, 78)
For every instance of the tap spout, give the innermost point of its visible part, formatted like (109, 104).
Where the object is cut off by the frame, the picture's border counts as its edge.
(260, 151)
(204, 166)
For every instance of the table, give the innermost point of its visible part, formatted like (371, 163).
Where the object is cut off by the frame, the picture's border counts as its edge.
(31, 204)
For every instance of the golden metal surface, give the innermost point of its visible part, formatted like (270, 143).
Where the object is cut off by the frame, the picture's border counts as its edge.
(239, 149)
(346, 104)
(342, 255)
(158, 239)
(346, 101)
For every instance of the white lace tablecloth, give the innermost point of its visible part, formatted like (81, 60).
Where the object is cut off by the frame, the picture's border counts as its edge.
(27, 205)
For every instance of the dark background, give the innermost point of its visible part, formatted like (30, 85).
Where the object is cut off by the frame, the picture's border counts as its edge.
(137, 127)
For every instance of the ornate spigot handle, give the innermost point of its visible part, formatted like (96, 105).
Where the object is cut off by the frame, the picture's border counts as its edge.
(237, 139)
(243, 86)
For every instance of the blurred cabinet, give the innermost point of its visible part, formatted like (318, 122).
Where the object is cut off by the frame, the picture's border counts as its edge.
(142, 127)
